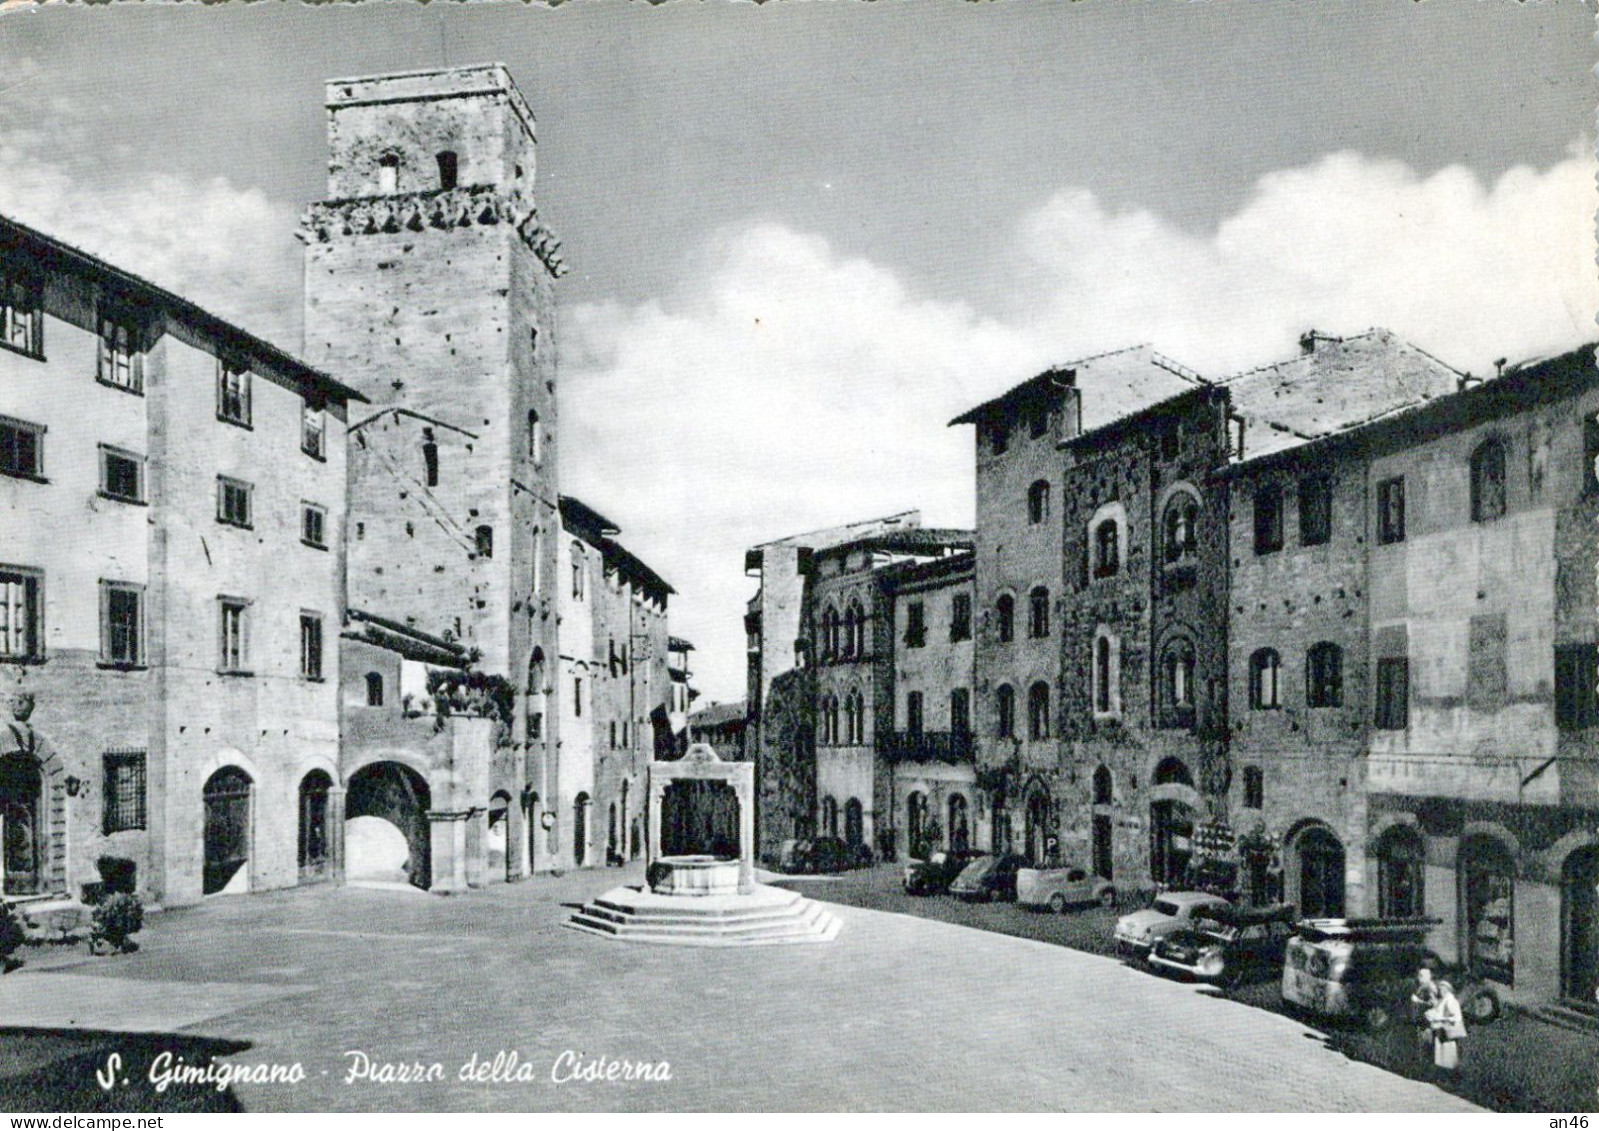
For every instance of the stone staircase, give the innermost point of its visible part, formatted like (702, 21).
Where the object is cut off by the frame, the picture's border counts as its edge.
(767, 916)
(52, 918)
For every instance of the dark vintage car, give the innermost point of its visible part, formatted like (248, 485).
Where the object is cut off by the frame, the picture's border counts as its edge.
(1227, 945)
(1365, 970)
(989, 878)
(934, 875)
(826, 854)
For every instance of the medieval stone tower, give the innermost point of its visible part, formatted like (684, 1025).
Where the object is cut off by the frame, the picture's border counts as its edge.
(428, 287)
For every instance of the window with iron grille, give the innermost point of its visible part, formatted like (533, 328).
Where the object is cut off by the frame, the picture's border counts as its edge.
(1315, 510)
(22, 315)
(314, 525)
(121, 475)
(233, 501)
(1393, 693)
(233, 615)
(311, 646)
(233, 393)
(1391, 511)
(313, 431)
(21, 613)
(21, 448)
(123, 807)
(121, 358)
(121, 623)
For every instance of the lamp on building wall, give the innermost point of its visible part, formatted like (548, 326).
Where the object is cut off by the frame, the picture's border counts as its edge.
(74, 785)
(547, 820)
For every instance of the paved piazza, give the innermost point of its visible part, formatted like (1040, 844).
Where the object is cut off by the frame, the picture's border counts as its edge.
(898, 1013)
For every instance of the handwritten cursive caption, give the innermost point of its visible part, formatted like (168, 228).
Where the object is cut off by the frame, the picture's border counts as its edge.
(168, 1070)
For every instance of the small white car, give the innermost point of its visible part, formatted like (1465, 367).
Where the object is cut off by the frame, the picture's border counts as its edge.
(1060, 888)
(1137, 933)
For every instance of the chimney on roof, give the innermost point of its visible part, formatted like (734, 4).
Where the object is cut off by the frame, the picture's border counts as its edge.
(1307, 342)
(1466, 380)
(1499, 366)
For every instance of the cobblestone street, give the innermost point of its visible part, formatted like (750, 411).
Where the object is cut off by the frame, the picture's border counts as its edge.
(900, 1013)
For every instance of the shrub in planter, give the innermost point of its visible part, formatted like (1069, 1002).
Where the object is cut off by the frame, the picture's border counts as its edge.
(118, 874)
(11, 937)
(116, 921)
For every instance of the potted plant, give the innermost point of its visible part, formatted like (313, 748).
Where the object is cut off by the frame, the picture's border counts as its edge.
(116, 920)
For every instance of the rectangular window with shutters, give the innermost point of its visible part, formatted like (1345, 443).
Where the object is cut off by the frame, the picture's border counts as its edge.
(311, 646)
(1393, 693)
(313, 431)
(960, 618)
(121, 359)
(121, 624)
(233, 636)
(21, 614)
(1268, 519)
(22, 315)
(960, 711)
(1391, 511)
(233, 393)
(1576, 674)
(915, 625)
(123, 806)
(233, 501)
(21, 448)
(121, 475)
(314, 525)
(1315, 510)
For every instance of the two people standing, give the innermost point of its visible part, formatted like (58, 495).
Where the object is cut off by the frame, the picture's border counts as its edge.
(1439, 1022)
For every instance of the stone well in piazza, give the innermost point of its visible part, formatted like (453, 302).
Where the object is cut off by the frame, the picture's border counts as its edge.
(706, 897)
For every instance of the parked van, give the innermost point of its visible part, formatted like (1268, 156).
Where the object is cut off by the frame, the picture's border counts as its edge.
(1365, 969)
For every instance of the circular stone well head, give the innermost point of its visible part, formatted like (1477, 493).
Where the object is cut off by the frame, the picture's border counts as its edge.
(693, 876)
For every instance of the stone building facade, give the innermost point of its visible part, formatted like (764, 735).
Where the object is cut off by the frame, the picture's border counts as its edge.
(173, 493)
(929, 747)
(1482, 795)
(1019, 576)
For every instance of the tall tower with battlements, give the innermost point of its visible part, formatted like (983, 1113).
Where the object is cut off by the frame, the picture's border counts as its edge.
(429, 288)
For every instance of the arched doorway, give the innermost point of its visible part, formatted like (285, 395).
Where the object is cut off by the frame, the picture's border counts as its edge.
(1171, 841)
(960, 823)
(1487, 876)
(497, 842)
(1036, 824)
(314, 857)
(387, 835)
(21, 856)
(1401, 858)
(227, 831)
(580, 829)
(1320, 873)
(854, 822)
(916, 824)
(1579, 912)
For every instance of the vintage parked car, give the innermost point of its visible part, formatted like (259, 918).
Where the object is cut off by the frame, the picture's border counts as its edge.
(1365, 969)
(825, 854)
(1063, 887)
(1137, 933)
(989, 878)
(934, 875)
(1227, 945)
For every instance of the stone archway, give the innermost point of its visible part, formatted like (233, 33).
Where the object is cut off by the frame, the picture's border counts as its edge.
(394, 793)
(227, 797)
(1486, 873)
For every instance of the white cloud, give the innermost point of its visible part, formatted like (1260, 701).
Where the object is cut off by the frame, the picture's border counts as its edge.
(788, 387)
(229, 249)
